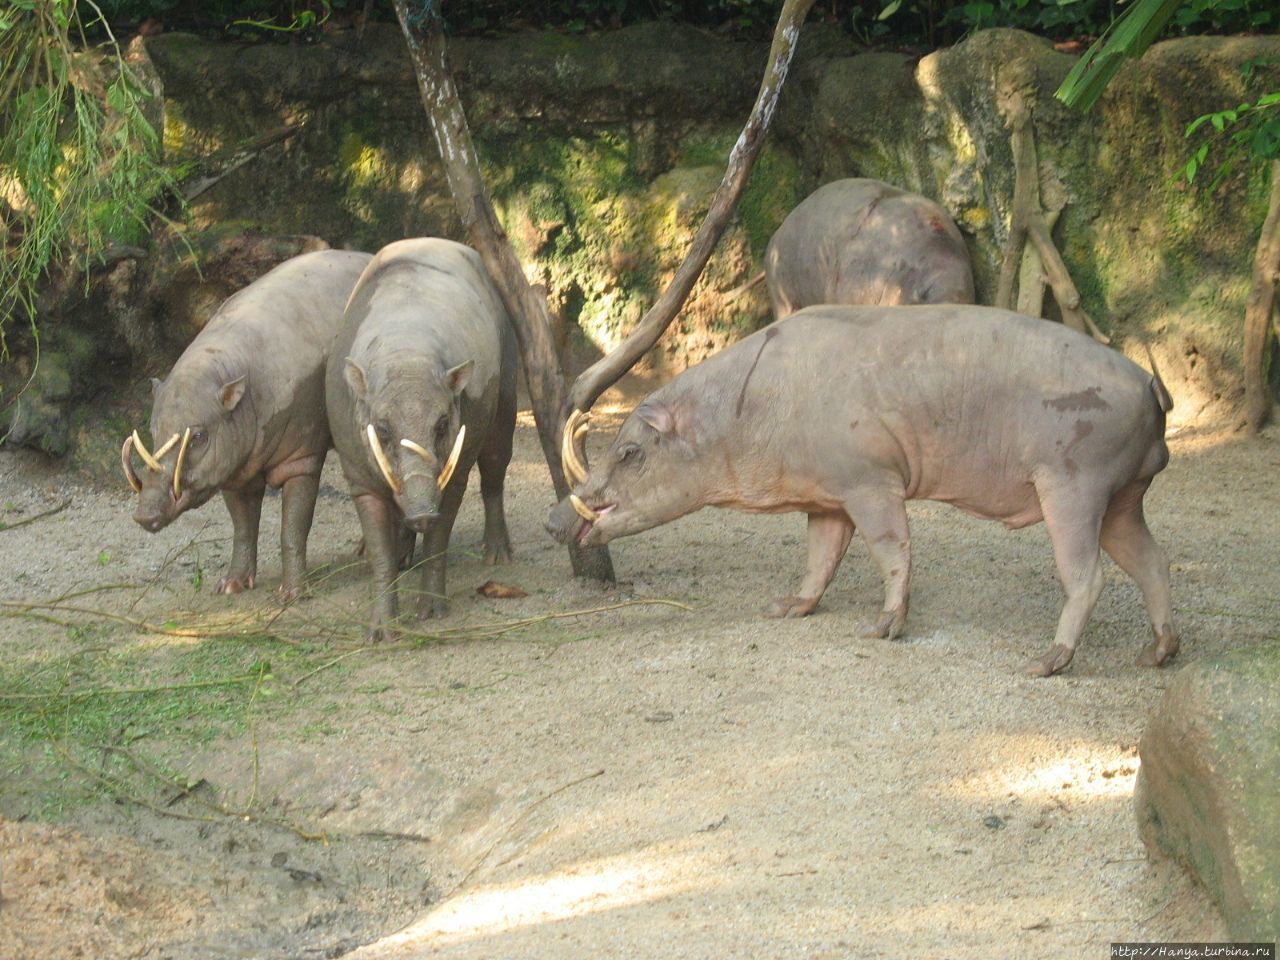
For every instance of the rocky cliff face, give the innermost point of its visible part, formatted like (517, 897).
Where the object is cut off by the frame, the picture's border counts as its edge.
(603, 152)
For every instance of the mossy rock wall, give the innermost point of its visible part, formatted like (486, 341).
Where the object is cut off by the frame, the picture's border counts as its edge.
(601, 152)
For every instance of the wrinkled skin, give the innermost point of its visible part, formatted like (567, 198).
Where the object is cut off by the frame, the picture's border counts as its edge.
(250, 387)
(861, 241)
(845, 413)
(426, 348)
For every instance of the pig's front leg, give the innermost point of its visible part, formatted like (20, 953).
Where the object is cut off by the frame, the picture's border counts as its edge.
(434, 602)
(245, 506)
(380, 525)
(298, 507)
(829, 535)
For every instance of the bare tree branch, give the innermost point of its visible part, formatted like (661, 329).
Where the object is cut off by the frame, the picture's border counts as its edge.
(606, 371)
(424, 34)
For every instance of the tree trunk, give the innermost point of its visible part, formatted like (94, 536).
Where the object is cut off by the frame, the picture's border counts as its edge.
(1027, 219)
(606, 371)
(1257, 313)
(527, 307)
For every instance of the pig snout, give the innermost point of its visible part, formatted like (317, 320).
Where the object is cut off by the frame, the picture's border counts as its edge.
(157, 508)
(420, 502)
(563, 523)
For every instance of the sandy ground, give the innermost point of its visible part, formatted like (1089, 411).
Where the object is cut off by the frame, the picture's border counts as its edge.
(645, 781)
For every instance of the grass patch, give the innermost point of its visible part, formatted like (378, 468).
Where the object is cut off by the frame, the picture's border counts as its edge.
(81, 723)
(123, 713)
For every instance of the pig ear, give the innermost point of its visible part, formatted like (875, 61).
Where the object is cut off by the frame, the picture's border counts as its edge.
(232, 393)
(457, 377)
(657, 415)
(354, 374)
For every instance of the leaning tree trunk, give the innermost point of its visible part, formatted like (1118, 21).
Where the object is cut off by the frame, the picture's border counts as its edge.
(527, 307)
(424, 34)
(1257, 313)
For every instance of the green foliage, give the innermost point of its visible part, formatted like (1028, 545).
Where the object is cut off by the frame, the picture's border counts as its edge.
(123, 710)
(1250, 130)
(896, 22)
(79, 165)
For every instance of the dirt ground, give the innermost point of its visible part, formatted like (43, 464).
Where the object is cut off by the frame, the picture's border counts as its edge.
(643, 781)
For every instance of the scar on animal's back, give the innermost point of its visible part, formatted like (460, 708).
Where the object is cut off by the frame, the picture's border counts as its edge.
(1086, 399)
(769, 334)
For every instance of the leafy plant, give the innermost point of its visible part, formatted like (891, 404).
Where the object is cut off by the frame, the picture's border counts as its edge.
(1251, 129)
(80, 166)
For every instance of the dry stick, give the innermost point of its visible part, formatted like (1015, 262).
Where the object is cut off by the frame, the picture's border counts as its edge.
(1257, 314)
(127, 691)
(218, 166)
(483, 632)
(39, 516)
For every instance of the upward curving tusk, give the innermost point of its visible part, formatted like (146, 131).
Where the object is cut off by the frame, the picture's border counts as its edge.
(446, 473)
(126, 458)
(419, 449)
(152, 460)
(575, 429)
(380, 455)
(585, 512)
(182, 456)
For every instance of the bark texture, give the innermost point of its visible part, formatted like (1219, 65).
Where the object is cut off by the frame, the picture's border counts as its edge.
(1258, 312)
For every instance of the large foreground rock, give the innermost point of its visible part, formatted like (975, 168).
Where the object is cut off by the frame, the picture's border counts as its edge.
(1208, 793)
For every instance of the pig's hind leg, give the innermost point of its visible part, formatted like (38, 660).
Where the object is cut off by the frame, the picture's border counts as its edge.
(829, 535)
(881, 518)
(493, 461)
(1074, 527)
(245, 507)
(1128, 541)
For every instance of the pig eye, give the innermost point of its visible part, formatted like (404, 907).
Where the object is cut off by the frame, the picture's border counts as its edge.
(630, 454)
(442, 429)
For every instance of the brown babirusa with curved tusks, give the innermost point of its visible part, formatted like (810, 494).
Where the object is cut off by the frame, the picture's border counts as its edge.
(243, 409)
(421, 387)
(845, 413)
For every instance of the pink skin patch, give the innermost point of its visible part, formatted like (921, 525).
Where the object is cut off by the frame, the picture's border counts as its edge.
(588, 526)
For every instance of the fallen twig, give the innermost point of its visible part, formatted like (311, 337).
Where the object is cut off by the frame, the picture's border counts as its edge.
(39, 516)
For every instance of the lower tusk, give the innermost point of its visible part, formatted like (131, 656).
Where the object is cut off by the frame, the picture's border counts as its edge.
(182, 456)
(451, 464)
(126, 455)
(383, 464)
(585, 512)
